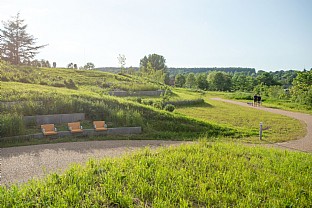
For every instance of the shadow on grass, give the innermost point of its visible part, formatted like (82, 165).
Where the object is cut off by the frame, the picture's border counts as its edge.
(203, 105)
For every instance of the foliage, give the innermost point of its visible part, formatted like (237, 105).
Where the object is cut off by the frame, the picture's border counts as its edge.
(16, 45)
(190, 81)
(89, 66)
(154, 67)
(122, 62)
(201, 81)
(11, 125)
(246, 71)
(302, 88)
(179, 80)
(242, 82)
(219, 81)
(198, 175)
(169, 107)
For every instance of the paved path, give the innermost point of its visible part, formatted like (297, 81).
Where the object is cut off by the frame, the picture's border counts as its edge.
(304, 144)
(19, 164)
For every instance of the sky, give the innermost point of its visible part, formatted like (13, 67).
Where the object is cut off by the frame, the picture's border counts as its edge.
(267, 35)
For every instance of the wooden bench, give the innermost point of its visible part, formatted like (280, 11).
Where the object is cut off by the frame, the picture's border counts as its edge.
(75, 127)
(48, 129)
(99, 126)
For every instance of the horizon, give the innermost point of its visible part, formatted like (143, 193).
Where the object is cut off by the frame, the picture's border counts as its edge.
(265, 35)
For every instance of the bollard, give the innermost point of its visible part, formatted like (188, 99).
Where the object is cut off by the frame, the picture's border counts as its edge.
(260, 132)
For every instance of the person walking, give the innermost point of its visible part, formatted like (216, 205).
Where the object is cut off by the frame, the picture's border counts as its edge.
(259, 100)
(255, 100)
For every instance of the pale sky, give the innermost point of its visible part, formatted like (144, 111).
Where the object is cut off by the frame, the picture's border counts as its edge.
(264, 34)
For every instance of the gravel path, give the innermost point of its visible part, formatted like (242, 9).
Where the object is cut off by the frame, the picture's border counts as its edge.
(19, 164)
(304, 144)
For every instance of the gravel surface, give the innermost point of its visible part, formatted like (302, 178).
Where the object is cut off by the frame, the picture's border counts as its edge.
(304, 144)
(19, 164)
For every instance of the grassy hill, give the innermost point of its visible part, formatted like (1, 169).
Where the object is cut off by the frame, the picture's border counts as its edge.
(199, 175)
(40, 95)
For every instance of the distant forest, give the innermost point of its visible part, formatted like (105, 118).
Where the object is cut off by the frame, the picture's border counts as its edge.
(175, 71)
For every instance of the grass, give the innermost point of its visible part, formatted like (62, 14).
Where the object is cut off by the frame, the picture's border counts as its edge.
(277, 128)
(284, 104)
(198, 175)
(157, 124)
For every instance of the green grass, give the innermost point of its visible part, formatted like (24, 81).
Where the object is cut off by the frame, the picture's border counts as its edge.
(157, 124)
(277, 128)
(198, 175)
(96, 81)
(284, 104)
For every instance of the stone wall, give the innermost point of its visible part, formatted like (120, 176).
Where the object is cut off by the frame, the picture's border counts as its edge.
(86, 132)
(137, 93)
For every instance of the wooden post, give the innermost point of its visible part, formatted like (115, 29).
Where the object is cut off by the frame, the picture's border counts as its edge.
(260, 132)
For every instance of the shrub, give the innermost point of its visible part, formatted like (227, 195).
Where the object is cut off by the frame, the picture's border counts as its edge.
(158, 105)
(169, 107)
(139, 100)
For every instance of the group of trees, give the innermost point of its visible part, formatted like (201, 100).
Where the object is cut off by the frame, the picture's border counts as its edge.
(221, 81)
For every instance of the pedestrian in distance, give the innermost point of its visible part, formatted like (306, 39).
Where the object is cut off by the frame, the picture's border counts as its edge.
(259, 100)
(255, 100)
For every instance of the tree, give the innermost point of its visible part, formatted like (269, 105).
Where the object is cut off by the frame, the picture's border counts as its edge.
(70, 65)
(89, 66)
(179, 80)
(302, 88)
(54, 64)
(201, 81)
(190, 80)
(219, 81)
(122, 62)
(16, 45)
(266, 78)
(154, 67)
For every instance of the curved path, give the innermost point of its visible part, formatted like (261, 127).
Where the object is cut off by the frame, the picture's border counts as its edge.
(19, 164)
(304, 144)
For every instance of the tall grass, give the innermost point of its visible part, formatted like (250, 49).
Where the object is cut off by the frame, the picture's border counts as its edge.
(199, 175)
(11, 125)
(121, 112)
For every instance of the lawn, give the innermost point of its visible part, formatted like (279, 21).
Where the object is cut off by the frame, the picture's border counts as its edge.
(277, 128)
(198, 175)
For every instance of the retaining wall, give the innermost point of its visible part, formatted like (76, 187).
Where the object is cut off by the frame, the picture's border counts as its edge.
(55, 118)
(86, 132)
(137, 93)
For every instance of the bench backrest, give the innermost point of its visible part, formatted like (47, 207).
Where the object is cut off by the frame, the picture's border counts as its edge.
(74, 125)
(99, 124)
(48, 127)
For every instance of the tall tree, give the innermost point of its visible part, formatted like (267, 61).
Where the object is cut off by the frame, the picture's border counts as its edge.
(17, 46)
(122, 62)
(154, 67)
(190, 80)
(179, 80)
(201, 81)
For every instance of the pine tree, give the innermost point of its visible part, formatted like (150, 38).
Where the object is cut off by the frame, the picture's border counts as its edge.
(16, 45)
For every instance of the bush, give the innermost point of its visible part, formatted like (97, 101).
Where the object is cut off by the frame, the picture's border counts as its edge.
(169, 107)
(158, 105)
(139, 100)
